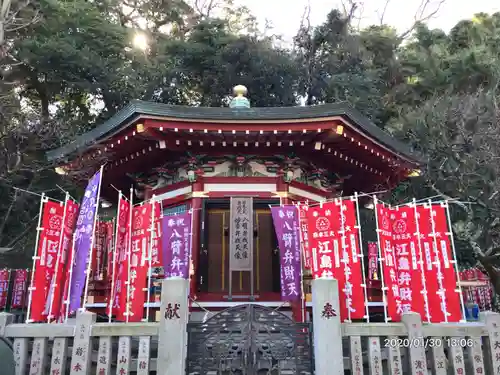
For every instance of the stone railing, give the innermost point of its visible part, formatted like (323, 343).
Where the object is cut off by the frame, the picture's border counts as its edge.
(85, 347)
(409, 347)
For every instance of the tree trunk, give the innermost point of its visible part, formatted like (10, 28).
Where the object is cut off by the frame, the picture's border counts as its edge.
(492, 273)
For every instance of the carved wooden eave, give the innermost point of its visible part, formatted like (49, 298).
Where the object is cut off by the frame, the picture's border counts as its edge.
(150, 144)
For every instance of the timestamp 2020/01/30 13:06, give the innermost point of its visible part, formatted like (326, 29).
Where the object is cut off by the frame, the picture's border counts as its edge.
(431, 342)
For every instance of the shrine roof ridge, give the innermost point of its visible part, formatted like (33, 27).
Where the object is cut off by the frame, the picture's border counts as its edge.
(139, 107)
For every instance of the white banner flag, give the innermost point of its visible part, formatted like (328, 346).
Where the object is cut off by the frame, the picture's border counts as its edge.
(241, 234)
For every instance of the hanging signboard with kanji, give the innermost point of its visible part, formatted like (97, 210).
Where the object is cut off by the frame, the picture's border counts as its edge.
(241, 234)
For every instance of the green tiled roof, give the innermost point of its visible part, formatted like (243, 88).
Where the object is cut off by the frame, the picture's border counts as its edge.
(138, 107)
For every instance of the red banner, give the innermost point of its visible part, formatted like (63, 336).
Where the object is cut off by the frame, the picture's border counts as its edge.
(485, 293)
(335, 252)
(372, 263)
(324, 241)
(4, 287)
(408, 265)
(61, 274)
(120, 263)
(353, 273)
(440, 277)
(156, 248)
(110, 234)
(389, 264)
(98, 255)
(19, 288)
(48, 246)
(141, 220)
(304, 236)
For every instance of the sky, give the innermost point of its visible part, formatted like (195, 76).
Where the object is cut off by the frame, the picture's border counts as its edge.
(285, 15)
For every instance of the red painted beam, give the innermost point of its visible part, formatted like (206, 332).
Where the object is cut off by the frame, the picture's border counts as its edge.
(240, 127)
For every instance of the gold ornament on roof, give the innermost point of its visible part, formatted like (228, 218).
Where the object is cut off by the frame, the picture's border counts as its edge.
(240, 90)
(239, 100)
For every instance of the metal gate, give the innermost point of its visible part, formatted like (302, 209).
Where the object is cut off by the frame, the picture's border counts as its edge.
(249, 340)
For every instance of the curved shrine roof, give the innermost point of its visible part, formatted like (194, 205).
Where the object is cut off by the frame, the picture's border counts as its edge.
(141, 109)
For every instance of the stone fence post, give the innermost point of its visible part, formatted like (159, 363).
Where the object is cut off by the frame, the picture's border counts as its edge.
(174, 317)
(81, 358)
(5, 320)
(6, 354)
(492, 343)
(327, 328)
(418, 359)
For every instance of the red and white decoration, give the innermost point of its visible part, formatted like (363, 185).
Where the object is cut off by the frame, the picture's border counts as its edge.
(118, 299)
(138, 262)
(100, 250)
(389, 266)
(440, 271)
(409, 270)
(481, 293)
(418, 237)
(4, 287)
(304, 236)
(333, 239)
(61, 274)
(48, 247)
(19, 289)
(372, 263)
(156, 246)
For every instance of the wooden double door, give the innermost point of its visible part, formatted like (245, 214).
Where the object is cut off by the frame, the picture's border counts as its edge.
(266, 262)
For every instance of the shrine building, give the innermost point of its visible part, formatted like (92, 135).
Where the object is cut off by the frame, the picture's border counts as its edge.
(198, 158)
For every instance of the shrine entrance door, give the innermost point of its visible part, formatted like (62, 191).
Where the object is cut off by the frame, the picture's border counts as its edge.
(216, 256)
(249, 340)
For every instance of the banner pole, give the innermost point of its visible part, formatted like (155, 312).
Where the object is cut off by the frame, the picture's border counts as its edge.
(252, 273)
(455, 260)
(302, 295)
(67, 302)
(43, 200)
(129, 251)
(230, 287)
(150, 256)
(362, 255)
(380, 261)
(421, 255)
(437, 262)
(92, 240)
(114, 266)
(344, 251)
(53, 285)
(191, 278)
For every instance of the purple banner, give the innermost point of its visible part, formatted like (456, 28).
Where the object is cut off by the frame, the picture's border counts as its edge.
(83, 232)
(286, 224)
(176, 245)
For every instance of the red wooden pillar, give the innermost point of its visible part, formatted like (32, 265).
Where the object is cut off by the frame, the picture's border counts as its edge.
(297, 306)
(196, 205)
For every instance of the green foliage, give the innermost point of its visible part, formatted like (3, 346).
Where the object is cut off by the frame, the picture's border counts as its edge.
(77, 64)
